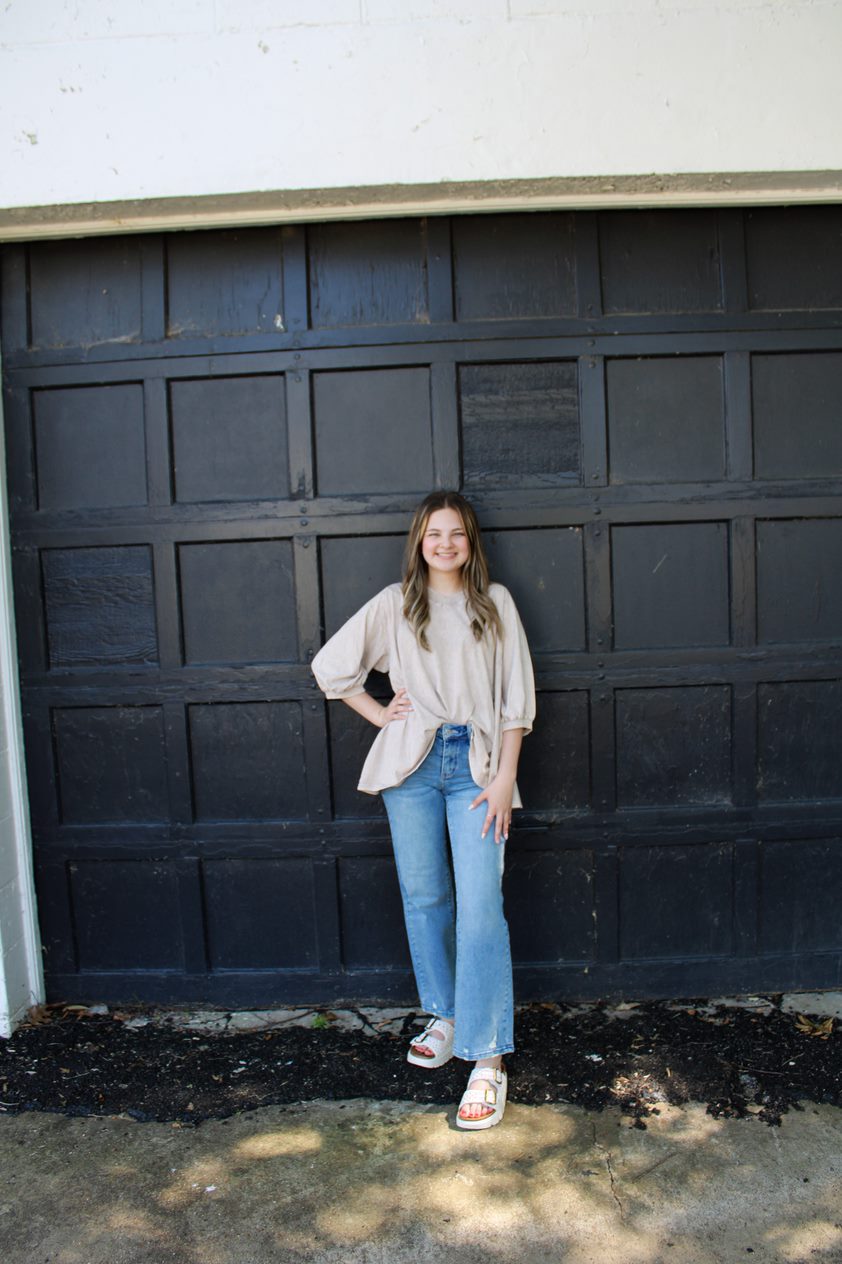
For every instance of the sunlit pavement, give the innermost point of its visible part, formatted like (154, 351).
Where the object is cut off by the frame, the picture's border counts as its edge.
(362, 1181)
(379, 1183)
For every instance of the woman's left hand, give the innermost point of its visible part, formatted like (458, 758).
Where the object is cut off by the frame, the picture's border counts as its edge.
(498, 796)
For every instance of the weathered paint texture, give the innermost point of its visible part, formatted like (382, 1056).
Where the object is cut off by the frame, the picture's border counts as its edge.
(102, 102)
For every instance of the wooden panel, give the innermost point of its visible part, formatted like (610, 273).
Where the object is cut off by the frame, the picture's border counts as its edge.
(278, 932)
(248, 761)
(373, 431)
(659, 262)
(695, 921)
(99, 606)
(799, 740)
(354, 570)
(90, 447)
(799, 580)
(367, 274)
(599, 388)
(229, 439)
(800, 895)
(670, 585)
(674, 745)
(555, 765)
(228, 282)
(110, 764)
(795, 403)
(238, 602)
(549, 901)
(514, 266)
(794, 257)
(350, 739)
(82, 293)
(544, 572)
(126, 915)
(371, 915)
(520, 424)
(666, 419)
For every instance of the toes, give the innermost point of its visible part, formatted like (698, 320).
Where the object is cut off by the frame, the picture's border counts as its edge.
(476, 1112)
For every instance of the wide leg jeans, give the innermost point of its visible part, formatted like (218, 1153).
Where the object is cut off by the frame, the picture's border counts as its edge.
(459, 940)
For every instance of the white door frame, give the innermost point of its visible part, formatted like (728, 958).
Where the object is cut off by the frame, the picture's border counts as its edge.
(21, 967)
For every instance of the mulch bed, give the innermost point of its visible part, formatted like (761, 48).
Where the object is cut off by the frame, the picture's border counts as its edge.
(741, 1063)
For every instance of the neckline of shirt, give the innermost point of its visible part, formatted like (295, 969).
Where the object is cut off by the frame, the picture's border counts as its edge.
(446, 598)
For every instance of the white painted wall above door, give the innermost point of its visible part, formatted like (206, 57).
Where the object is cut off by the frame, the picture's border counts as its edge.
(104, 101)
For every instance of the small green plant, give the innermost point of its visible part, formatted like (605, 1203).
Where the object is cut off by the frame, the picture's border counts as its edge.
(320, 1022)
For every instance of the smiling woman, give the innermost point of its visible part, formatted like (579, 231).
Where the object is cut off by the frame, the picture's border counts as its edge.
(449, 742)
(444, 547)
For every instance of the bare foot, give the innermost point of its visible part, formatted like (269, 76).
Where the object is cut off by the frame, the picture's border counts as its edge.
(481, 1110)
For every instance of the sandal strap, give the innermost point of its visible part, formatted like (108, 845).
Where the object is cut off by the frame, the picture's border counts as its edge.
(487, 1096)
(435, 1024)
(493, 1074)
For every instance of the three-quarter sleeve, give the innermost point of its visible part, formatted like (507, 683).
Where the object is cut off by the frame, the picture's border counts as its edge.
(518, 692)
(360, 646)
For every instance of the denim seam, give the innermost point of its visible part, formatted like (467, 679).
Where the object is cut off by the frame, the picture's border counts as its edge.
(487, 1053)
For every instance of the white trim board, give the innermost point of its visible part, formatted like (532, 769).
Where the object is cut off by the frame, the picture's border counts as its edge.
(579, 193)
(21, 971)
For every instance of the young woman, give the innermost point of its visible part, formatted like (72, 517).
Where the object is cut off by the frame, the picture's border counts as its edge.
(445, 762)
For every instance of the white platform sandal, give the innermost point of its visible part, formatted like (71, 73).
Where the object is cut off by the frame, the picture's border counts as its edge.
(492, 1094)
(443, 1047)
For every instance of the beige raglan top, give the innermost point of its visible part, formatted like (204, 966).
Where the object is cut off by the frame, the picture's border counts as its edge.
(488, 684)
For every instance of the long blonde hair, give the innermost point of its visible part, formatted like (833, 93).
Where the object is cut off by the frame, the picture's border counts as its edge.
(475, 581)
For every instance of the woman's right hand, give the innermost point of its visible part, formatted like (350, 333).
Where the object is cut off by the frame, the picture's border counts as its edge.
(398, 709)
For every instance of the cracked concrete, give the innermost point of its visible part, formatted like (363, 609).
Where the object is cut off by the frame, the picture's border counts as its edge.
(376, 1020)
(366, 1182)
(371, 1182)
(609, 1169)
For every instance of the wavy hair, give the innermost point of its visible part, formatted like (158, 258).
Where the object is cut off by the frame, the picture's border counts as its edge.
(475, 581)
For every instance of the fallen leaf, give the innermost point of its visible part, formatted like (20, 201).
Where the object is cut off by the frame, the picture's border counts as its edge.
(806, 1025)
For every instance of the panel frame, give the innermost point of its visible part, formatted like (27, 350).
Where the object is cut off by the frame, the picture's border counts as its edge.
(297, 351)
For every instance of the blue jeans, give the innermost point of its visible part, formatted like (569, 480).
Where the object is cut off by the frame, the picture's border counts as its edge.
(460, 948)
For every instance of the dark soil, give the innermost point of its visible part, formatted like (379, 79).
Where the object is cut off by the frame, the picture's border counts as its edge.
(741, 1063)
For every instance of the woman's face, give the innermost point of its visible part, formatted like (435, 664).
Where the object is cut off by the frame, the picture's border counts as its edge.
(444, 544)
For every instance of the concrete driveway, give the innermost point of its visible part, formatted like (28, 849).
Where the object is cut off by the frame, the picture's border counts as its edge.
(363, 1182)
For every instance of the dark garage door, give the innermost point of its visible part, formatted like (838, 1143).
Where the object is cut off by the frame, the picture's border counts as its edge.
(214, 442)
